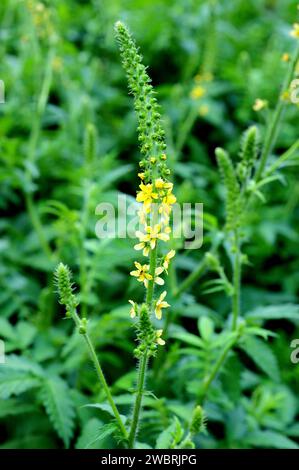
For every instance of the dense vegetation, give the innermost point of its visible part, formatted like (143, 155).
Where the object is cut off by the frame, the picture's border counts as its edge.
(223, 74)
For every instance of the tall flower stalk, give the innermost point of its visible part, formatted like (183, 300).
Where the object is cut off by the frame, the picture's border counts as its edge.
(156, 199)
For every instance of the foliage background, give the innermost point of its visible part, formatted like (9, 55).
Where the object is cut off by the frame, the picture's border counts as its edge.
(47, 382)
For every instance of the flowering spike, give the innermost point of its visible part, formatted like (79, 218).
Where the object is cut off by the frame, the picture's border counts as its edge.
(232, 188)
(151, 134)
(62, 278)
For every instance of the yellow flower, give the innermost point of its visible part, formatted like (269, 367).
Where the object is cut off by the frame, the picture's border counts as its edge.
(295, 30)
(169, 199)
(158, 280)
(153, 234)
(160, 184)
(167, 259)
(158, 337)
(142, 273)
(203, 110)
(160, 303)
(146, 195)
(197, 92)
(259, 104)
(141, 176)
(133, 309)
(285, 57)
(285, 95)
(163, 156)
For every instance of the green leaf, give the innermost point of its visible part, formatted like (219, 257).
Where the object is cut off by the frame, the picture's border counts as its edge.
(268, 439)
(170, 436)
(89, 434)
(55, 396)
(13, 407)
(206, 328)
(15, 383)
(262, 356)
(188, 338)
(105, 431)
(275, 312)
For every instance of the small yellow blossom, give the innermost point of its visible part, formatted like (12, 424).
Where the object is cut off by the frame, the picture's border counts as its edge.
(160, 340)
(295, 30)
(133, 309)
(197, 92)
(163, 156)
(259, 104)
(151, 236)
(146, 195)
(160, 304)
(153, 160)
(160, 184)
(285, 57)
(141, 176)
(158, 280)
(167, 259)
(203, 110)
(169, 199)
(285, 95)
(142, 273)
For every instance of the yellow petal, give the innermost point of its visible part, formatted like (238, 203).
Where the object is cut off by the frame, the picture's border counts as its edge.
(158, 313)
(134, 273)
(159, 270)
(160, 341)
(139, 246)
(159, 281)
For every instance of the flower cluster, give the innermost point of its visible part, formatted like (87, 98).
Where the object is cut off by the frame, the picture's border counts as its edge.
(155, 190)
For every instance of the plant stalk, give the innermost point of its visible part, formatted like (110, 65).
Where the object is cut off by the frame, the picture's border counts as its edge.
(101, 376)
(142, 368)
(236, 282)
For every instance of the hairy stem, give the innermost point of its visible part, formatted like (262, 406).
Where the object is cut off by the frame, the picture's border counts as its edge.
(236, 281)
(142, 368)
(100, 375)
(215, 370)
(138, 402)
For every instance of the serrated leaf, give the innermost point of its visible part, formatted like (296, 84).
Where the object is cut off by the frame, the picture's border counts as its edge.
(262, 356)
(15, 383)
(55, 396)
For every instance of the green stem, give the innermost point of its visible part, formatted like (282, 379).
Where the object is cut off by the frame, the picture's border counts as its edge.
(215, 370)
(101, 376)
(191, 278)
(284, 157)
(236, 282)
(37, 225)
(272, 130)
(142, 368)
(138, 402)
